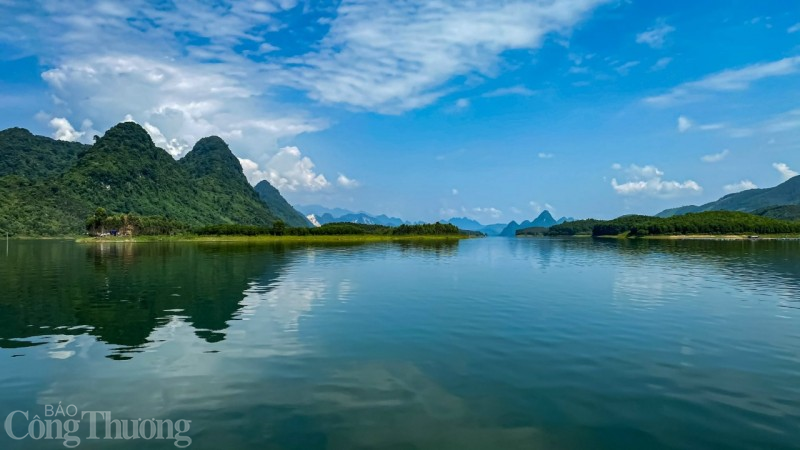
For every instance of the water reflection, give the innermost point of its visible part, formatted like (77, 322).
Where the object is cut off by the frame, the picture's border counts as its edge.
(490, 343)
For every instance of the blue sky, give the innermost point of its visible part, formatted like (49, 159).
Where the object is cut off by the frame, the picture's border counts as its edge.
(431, 109)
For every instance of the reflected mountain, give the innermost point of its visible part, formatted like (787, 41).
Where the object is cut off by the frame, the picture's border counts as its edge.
(120, 293)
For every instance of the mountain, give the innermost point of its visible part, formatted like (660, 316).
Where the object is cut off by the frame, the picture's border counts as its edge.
(786, 193)
(465, 223)
(494, 229)
(273, 200)
(318, 210)
(36, 157)
(545, 220)
(325, 215)
(785, 212)
(123, 172)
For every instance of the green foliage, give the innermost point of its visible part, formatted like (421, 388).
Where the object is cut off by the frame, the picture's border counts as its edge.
(132, 225)
(712, 222)
(426, 229)
(278, 206)
(784, 212)
(574, 228)
(35, 157)
(123, 172)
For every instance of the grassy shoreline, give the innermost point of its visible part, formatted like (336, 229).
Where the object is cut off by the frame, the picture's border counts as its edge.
(355, 238)
(707, 237)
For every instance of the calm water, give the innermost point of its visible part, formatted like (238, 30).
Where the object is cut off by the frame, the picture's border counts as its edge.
(483, 344)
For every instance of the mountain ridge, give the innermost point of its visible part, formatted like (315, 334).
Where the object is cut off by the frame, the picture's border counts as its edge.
(124, 172)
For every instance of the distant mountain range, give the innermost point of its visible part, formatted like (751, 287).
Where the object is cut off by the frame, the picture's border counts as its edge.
(50, 187)
(320, 215)
(780, 202)
(545, 220)
(465, 223)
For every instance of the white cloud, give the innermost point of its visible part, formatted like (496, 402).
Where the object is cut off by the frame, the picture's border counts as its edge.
(288, 169)
(543, 155)
(513, 90)
(727, 81)
(64, 130)
(539, 207)
(794, 28)
(740, 186)
(347, 183)
(784, 170)
(462, 103)
(454, 191)
(715, 157)
(647, 181)
(661, 63)
(490, 212)
(684, 124)
(401, 58)
(655, 36)
(625, 68)
(174, 147)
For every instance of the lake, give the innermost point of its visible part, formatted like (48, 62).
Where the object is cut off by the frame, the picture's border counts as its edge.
(481, 344)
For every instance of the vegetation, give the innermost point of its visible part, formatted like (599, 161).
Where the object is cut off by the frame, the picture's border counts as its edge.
(575, 228)
(35, 157)
(752, 200)
(279, 207)
(49, 187)
(785, 212)
(713, 223)
(101, 222)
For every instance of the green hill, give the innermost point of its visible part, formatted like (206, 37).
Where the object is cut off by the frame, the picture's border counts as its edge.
(35, 157)
(786, 193)
(124, 172)
(709, 222)
(279, 206)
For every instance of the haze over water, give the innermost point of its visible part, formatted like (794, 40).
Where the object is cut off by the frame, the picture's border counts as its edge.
(483, 343)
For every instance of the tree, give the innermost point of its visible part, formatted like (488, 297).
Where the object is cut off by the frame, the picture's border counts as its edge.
(278, 228)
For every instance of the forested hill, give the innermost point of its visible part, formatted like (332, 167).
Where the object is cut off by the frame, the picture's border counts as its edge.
(279, 206)
(55, 190)
(35, 157)
(751, 200)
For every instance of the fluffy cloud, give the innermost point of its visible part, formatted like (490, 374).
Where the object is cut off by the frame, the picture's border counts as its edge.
(647, 181)
(543, 155)
(174, 147)
(784, 170)
(539, 207)
(287, 170)
(794, 28)
(346, 182)
(740, 186)
(655, 36)
(401, 58)
(494, 213)
(64, 131)
(727, 81)
(454, 191)
(684, 124)
(716, 157)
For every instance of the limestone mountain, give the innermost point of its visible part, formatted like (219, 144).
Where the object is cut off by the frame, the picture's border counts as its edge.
(124, 172)
(278, 205)
(545, 220)
(35, 157)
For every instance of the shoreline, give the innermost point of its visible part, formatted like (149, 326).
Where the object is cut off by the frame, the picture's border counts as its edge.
(709, 237)
(355, 238)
